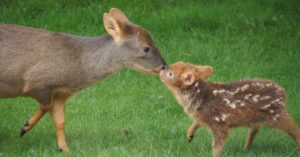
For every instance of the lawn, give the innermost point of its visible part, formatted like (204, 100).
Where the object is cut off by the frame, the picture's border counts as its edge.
(133, 114)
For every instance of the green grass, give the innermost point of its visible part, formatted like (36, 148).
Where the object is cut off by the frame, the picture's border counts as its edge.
(239, 38)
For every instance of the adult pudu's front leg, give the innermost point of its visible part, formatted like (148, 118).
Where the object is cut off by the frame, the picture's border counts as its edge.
(58, 116)
(191, 131)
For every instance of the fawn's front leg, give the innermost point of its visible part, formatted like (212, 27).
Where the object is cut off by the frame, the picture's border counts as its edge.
(191, 131)
(219, 138)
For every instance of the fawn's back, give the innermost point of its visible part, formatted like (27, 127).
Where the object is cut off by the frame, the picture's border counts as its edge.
(247, 102)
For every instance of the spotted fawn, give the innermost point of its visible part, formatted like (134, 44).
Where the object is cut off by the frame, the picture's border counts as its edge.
(219, 107)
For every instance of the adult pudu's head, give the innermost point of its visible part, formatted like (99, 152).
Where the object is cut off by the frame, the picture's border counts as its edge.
(181, 75)
(133, 44)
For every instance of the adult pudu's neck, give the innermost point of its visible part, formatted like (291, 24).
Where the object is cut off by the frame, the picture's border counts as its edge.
(100, 57)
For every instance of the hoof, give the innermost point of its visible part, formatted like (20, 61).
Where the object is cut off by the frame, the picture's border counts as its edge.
(191, 139)
(64, 150)
(23, 130)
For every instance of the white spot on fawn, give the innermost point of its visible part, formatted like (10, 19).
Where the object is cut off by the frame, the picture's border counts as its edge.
(198, 91)
(232, 105)
(271, 111)
(230, 93)
(255, 98)
(269, 84)
(245, 87)
(215, 92)
(224, 117)
(276, 117)
(275, 101)
(217, 119)
(281, 103)
(265, 97)
(247, 96)
(258, 84)
(227, 102)
(196, 84)
(236, 91)
(266, 106)
(239, 102)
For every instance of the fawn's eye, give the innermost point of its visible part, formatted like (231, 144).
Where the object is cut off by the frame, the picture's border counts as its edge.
(146, 49)
(170, 74)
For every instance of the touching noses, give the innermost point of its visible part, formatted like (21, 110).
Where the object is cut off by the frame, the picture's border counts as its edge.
(165, 67)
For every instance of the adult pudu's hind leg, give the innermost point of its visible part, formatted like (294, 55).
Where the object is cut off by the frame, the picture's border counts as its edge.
(219, 138)
(29, 124)
(285, 123)
(191, 131)
(251, 135)
(44, 98)
(57, 114)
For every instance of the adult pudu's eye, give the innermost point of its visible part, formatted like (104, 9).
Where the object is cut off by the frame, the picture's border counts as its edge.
(146, 49)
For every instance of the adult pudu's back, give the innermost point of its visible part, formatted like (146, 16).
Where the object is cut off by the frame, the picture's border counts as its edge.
(17, 54)
(32, 55)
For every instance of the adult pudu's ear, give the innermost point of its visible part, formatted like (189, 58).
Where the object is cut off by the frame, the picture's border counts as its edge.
(187, 78)
(204, 72)
(115, 23)
(118, 14)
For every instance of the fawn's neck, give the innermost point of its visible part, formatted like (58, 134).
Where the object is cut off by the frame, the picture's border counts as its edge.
(195, 95)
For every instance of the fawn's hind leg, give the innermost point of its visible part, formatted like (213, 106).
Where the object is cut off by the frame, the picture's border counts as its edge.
(286, 123)
(191, 131)
(251, 135)
(29, 124)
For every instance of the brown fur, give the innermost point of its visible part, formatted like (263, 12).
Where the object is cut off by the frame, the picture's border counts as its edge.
(50, 67)
(247, 103)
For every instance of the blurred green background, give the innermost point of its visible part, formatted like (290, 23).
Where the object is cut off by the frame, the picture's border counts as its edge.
(132, 114)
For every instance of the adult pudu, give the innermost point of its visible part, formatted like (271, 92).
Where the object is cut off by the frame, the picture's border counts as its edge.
(50, 67)
(219, 107)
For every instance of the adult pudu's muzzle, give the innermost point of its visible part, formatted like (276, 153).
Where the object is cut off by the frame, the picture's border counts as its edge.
(162, 66)
(152, 71)
(159, 68)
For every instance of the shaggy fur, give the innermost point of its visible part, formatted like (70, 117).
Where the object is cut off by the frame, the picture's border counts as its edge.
(247, 103)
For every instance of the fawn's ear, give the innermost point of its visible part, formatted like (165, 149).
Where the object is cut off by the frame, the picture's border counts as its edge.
(187, 78)
(204, 71)
(115, 23)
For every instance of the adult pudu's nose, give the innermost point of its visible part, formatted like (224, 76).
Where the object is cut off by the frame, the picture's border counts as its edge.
(165, 67)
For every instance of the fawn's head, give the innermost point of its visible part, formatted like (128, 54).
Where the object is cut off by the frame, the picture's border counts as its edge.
(181, 75)
(133, 43)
